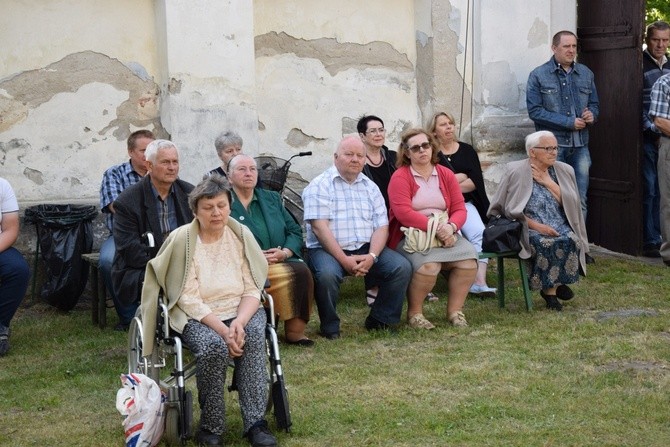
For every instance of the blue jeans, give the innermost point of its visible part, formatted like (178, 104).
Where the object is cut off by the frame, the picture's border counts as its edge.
(651, 196)
(391, 273)
(126, 312)
(580, 160)
(14, 276)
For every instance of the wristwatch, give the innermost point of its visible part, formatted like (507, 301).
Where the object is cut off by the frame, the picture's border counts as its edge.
(375, 258)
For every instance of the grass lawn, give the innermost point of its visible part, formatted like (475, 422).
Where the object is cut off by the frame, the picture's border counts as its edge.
(588, 376)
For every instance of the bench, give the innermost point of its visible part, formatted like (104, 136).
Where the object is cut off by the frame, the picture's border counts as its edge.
(99, 299)
(500, 257)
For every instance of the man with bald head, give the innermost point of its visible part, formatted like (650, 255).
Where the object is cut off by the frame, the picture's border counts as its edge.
(347, 228)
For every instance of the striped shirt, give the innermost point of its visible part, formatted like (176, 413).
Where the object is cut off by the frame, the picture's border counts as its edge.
(355, 210)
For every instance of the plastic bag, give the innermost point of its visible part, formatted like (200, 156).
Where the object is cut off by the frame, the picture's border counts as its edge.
(64, 232)
(142, 402)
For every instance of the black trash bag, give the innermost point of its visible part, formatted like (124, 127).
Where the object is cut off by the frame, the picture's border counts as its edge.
(64, 232)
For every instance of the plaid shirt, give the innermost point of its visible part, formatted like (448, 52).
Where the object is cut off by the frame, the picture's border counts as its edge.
(114, 181)
(660, 98)
(354, 210)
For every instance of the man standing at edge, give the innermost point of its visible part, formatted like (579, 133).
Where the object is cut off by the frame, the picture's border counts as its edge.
(561, 97)
(114, 181)
(655, 64)
(659, 111)
(347, 229)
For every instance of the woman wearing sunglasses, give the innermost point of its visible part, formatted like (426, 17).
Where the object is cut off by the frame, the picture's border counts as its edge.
(418, 188)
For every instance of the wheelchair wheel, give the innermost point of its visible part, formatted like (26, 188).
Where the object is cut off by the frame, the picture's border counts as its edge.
(136, 363)
(178, 420)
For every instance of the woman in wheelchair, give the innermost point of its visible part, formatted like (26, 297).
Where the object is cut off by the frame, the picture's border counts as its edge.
(212, 272)
(280, 237)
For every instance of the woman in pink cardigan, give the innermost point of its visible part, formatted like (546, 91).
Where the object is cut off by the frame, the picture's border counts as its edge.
(419, 187)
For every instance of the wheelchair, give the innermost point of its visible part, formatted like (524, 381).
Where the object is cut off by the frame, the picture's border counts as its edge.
(179, 402)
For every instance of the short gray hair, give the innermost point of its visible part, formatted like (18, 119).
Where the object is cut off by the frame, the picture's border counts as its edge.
(533, 139)
(227, 138)
(210, 186)
(155, 146)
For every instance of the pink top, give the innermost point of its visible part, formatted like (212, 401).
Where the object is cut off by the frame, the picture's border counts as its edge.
(402, 190)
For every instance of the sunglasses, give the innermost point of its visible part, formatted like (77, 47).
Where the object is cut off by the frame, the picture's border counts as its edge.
(417, 147)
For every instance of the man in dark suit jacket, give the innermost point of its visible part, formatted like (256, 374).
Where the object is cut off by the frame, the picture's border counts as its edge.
(157, 204)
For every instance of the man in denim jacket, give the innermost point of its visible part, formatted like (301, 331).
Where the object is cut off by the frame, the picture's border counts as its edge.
(561, 97)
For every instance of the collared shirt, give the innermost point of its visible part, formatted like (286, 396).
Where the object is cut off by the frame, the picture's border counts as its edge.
(660, 98)
(652, 71)
(355, 210)
(167, 214)
(555, 98)
(114, 181)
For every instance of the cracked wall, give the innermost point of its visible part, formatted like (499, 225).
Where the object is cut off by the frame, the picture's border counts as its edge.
(63, 124)
(318, 73)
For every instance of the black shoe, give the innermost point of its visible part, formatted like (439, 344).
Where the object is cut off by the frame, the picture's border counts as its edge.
(564, 293)
(372, 324)
(4, 340)
(666, 262)
(552, 302)
(651, 250)
(259, 436)
(122, 327)
(330, 336)
(304, 342)
(589, 259)
(207, 438)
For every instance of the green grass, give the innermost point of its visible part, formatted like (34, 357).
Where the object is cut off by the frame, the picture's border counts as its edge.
(512, 378)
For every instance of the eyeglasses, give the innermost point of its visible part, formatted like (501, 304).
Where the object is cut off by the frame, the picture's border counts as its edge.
(417, 147)
(379, 131)
(547, 149)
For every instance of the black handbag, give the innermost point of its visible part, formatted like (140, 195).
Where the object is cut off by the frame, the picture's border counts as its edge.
(502, 234)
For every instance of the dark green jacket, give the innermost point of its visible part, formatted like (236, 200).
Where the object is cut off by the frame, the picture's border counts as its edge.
(283, 230)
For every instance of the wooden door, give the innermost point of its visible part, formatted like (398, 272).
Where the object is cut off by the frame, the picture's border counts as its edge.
(610, 34)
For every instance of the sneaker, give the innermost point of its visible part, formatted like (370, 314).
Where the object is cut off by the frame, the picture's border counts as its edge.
(4, 340)
(457, 319)
(651, 250)
(370, 297)
(418, 321)
(260, 436)
(432, 297)
(483, 291)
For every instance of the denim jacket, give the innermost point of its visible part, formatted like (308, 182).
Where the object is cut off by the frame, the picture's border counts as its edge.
(550, 103)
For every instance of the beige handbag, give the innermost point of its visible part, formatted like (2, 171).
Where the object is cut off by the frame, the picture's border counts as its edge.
(419, 241)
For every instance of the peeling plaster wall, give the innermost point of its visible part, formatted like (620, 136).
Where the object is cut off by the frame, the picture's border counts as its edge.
(319, 69)
(72, 87)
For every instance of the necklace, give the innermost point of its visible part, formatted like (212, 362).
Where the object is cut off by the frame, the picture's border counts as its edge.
(447, 148)
(379, 163)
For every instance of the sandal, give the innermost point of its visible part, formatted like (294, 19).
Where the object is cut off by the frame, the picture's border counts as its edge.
(370, 297)
(418, 321)
(304, 342)
(457, 319)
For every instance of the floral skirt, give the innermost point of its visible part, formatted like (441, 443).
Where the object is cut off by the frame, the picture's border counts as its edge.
(554, 260)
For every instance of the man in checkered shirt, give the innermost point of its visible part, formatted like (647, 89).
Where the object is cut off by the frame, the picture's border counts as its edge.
(347, 228)
(659, 112)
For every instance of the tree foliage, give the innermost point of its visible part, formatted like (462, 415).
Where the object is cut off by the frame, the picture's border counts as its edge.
(657, 10)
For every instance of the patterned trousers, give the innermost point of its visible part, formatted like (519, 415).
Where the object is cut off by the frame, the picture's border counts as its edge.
(211, 354)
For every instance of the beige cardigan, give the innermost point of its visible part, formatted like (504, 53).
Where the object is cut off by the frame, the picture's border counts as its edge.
(168, 272)
(514, 192)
